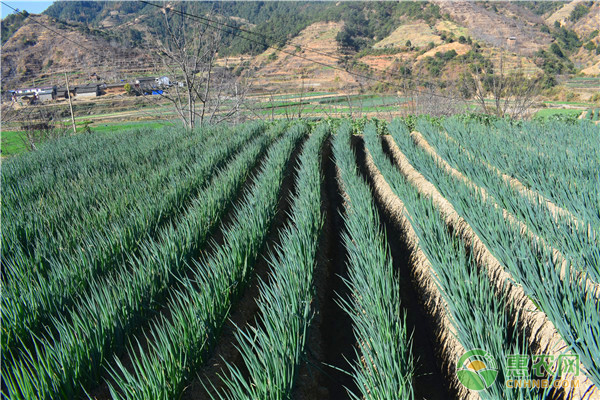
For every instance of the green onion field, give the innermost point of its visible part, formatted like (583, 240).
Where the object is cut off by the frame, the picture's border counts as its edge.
(305, 259)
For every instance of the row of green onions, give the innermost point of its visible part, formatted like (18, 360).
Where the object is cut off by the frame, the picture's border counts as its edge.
(73, 357)
(478, 316)
(272, 351)
(43, 221)
(179, 344)
(574, 312)
(574, 240)
(558, 160)
(31, 302)
(385, 365)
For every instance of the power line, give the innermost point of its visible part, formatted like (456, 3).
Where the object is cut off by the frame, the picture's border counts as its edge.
(207, 22)
(98, 53)
(202, 20)
(50, 29)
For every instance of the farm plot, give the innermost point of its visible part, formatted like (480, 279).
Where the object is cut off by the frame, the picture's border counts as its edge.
(295, 260)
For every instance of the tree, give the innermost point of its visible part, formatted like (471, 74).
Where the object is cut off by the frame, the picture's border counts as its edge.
(189, 53)
(408, 44)
(512, 94)
(555, 48)
(128, 89)
(579, 12)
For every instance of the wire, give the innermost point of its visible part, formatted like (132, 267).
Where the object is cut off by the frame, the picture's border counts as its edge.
(50, 29)
(207, 22)
(281, 49)
(201, 20)
(265, 37)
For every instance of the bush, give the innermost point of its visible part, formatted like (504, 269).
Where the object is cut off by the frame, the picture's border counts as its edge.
(579, 12)
(556, 50)
(590, 46)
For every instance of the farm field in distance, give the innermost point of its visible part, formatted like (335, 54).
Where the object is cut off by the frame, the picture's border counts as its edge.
(284, 106)
(304, 258)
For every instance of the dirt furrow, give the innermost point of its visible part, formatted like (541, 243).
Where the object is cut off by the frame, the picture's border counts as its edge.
(244, 311)
(559, 258)
(432, 304)
(541, 334)
(330, 344)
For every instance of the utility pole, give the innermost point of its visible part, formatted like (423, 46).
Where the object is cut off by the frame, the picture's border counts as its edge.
(70, 104)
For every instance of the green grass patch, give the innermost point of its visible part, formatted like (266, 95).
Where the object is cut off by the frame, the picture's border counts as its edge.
(547, 112)
(12, 143)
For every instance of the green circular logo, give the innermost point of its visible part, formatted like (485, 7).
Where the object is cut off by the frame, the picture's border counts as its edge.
(476, 369)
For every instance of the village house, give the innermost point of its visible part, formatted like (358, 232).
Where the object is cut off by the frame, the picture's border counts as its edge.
(61, 93)
(145, 83)
(113, 88)
(85, 91)
(40, 94)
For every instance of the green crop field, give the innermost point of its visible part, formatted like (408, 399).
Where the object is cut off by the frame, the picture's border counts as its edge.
(548, 112)
(360, 259)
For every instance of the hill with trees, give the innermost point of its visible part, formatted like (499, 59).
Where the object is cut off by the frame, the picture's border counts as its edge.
(434, 41)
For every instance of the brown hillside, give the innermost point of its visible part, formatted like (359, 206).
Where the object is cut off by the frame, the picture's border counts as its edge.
(418, 32)
(583, 27)
(280, 71)
(35, 55)
(459, 48)
(496, 26)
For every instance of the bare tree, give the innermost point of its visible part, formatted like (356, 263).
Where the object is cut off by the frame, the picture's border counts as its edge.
(511, 94)
(205, 92)
(39, 124)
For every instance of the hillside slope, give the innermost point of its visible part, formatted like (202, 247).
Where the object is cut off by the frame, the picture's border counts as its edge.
(428, 38)
(34, 54)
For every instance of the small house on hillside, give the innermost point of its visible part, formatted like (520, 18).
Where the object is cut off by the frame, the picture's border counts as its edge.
(39, 93)
(145, 83)
(85, 91)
